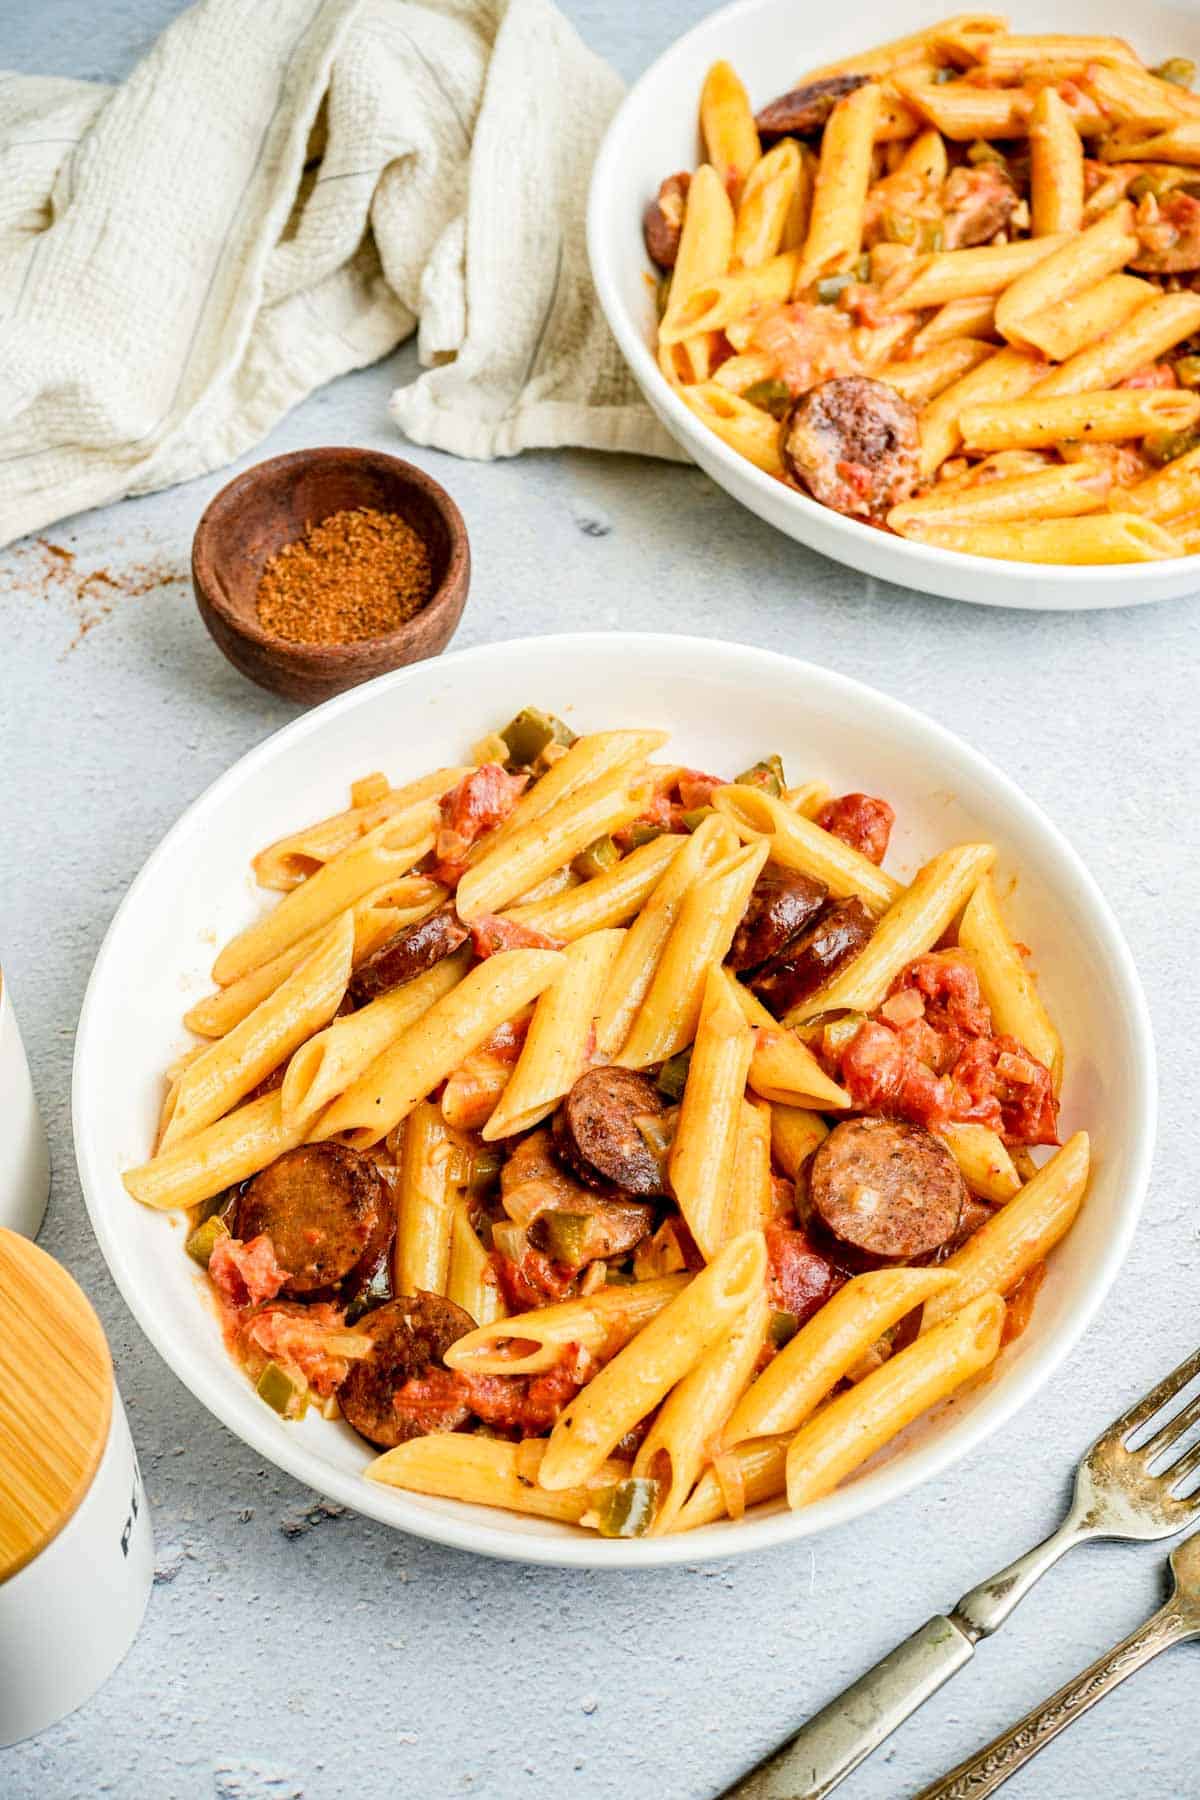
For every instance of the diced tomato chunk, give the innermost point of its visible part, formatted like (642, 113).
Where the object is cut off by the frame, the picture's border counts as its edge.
(859, 820)
(534, 1281)
(491, 933)
(799, 1279)
(481, 801)
(245, 1274)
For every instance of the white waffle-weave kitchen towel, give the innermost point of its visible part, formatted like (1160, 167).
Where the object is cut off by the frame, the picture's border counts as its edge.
(284, 190)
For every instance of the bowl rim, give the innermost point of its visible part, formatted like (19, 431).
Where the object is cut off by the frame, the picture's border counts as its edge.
(395, 1508)
(210, 594)
(687, 429)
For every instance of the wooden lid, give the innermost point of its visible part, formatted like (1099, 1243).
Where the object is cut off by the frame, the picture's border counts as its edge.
(56, 1389)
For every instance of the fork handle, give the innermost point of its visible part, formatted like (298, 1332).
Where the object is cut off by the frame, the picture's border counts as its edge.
(983, 1773)
(844, 1733)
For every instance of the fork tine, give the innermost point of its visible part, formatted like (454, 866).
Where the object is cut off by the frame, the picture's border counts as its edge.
(1158, 1397)
(1187, 1465)
(1172, 1431)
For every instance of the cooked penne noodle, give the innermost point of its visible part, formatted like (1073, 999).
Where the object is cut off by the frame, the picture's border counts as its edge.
(1010, 55)
(809, 1367)
(797, 843)
(557, 1045)
(1063, 328)
(795, 1134)
(795, 226)
(969, 274)
(1077, 263)
(839, 196)
(534, 851)
(1186, 533)
(604, 900)
(766, 205)
(702, 933)
(740, 372)
(974, 317)
(1019, 1235)
(1098, 538)
(1181, 144)
(1056, 166)
(926, 159)
(429, 1186)
(1174, 490)
(646, 1370)
(704, 1149)
(727, 125)
(705, 250)
(963, 113)
(907, 930)
(921, 378)
(589, 758)
(898, 52)
(1131, 96)
(1099, 418)
(861, 1421)
(716, 302)
(471, 1283)
(641, 952)
(758, 1471)
(601, 1323)
(435, 1044)
(378, 916)
(747, 429)
(237, 1146)
(751, 1194)
(486, 1472)
(383, 854)
(333, 1059)
(677, 1446)
(1005, 376)
(983, 1161)
(1008, 986)
(1059, 491)
(227, 1070)
(1143, 337)
(783, 1067)
(292, 859)
(807, 799)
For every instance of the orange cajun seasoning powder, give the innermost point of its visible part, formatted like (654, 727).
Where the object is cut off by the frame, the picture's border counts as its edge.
(358, 574)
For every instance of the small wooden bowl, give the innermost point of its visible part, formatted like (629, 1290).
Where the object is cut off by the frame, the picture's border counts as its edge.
(272, 505)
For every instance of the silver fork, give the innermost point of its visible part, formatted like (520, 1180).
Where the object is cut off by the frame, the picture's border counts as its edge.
(1116, 1496)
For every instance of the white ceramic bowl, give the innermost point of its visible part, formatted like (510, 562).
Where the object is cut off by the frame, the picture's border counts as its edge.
(771, 43)
(724, 705)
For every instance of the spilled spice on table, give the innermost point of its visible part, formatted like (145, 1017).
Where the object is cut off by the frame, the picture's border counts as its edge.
(357, 574)
(53, 572)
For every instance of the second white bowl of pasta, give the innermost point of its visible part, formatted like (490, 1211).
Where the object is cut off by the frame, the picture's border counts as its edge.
(657, 1379)
(927, 310)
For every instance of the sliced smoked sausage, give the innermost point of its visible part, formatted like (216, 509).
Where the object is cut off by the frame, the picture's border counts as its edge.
(596, 1131)
(887, 1188)
(662, 222)
(815, 956)
(782, 904)
(854, 444)
(327, 1213)
(410, 1338)
(805, 109)
(417, 948)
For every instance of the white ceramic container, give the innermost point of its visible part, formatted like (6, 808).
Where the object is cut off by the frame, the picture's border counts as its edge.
(24, 1154)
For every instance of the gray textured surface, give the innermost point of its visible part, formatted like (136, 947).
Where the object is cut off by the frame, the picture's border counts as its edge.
(287, 1653)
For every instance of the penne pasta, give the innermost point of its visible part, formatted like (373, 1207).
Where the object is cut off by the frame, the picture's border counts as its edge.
(796, 842)
(783, 1068)
(1145, 336)
(1059, 491)
(646, 1370)
(1007, 985)
(605, 900)
(974, 317)
(898, 52)
(795, 1134)
(766, 206)
(701, 935)
(601, 1323)
(470, 1281)
(717, 302)
(1100, 418)
(227, 1070)
(728, 128)
(1076, 264)
(1181, 144)
(1019, 1235)
(535, 850)
(1064, 327)
(1056, 166)
(705, 251)
(983, 1161)
(231, 1150)
(560, 1036)
(824, 1350)
(677, 1446)
(751, 1194)
(1165, 496)
(589, 759)
(1005, 376)
(922, 378)
(839, 197)
(907, 930)
(290, 860)
(428, 1188)
(704, 1149)
(1097, 538)
(969, 274)
(757, 1471)
(487, 1472)
(747, 429)
(435, 1044)
(861, 1421)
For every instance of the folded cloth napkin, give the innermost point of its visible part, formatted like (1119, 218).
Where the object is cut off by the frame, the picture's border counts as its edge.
(284, 191)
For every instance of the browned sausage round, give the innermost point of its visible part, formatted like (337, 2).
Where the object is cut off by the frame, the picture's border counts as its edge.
(662, 221)
(886, 1187)
(596, 1130)
(408, 954)
(815, 956)
(976, 204)
(782, 904)
(806, 109)
(411, 1337)
(853, 443)
(326, 1212)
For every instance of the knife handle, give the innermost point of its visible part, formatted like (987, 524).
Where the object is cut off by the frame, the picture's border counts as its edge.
(835, 1740)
